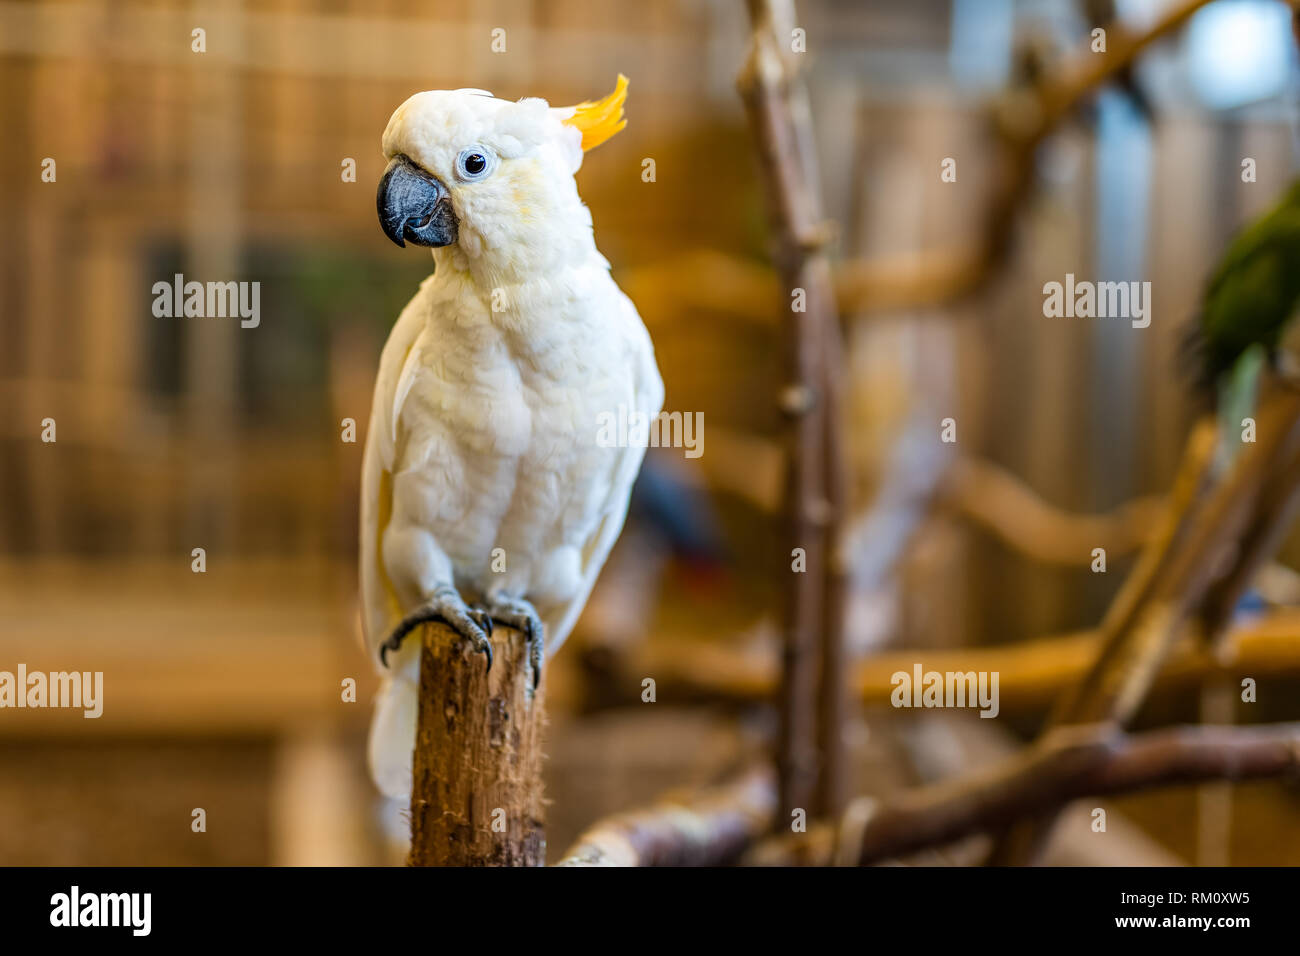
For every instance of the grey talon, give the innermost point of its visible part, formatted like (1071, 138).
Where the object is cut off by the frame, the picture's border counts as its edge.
(523, 617)
(446, 606)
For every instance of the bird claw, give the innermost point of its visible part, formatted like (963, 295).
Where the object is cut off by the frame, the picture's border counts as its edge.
(482, 618)
(446, 606)
(521, 615)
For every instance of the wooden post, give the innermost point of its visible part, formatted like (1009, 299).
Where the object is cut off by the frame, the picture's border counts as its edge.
(477, 794)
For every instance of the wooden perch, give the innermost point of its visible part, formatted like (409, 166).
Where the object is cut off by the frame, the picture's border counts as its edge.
(1068, 763)
(477, 796)
(709, 828)
(948, 743)
(1272, 519)
(1032, 674)
(1001, 504)
(896, 282)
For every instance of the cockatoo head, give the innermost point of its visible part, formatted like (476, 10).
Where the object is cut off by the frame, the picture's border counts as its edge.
(491, 176)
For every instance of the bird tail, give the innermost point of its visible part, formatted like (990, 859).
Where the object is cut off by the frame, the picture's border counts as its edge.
(1205, 365)
(392, 729)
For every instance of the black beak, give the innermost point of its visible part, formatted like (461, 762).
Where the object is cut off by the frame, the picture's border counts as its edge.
(414, 206)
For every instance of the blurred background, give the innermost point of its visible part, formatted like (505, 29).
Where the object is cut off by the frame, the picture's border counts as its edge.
(225, 690)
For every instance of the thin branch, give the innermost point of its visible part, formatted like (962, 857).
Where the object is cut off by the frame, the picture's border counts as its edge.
(1023, 123)
(1034, 674)
(1031, 674)
(1197, 548)
(1089, 71)
(910, 281)
(777, 106)
(833, 687)
(1268, 528)
(711, 827)
(948, 744)
(1069, 763)
(1001, 504)
(1209, 533)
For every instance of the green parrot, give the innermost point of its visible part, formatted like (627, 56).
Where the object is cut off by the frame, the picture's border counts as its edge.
(1255, 290)
(1245, 319)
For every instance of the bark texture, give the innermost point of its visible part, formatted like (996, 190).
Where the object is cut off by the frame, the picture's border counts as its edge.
(477, 794)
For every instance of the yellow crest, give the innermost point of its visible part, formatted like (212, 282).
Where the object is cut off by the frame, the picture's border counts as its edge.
(600, 119)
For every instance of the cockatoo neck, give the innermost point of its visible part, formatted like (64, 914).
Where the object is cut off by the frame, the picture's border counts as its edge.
(500, 269)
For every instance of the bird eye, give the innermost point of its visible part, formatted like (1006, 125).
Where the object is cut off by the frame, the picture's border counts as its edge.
(475, 163)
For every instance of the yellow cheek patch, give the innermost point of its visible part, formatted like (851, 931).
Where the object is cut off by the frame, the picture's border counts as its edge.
(600, 119)
(524, 179)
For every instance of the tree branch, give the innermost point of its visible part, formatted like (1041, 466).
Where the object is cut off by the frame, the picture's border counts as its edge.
(709, 828)
(1001, 504)
(777, 106)
(1022, 124)
(1211, 530)
(1032, 674)
(1068, 763)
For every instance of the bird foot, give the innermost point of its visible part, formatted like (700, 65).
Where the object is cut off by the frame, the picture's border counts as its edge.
(447, 606)
(523, 617)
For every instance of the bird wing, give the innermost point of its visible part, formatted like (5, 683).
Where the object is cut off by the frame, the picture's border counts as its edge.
(1254, 290)
(380, 609)
(646, 392)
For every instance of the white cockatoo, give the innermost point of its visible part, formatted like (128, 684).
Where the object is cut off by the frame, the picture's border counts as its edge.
(487, 492)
